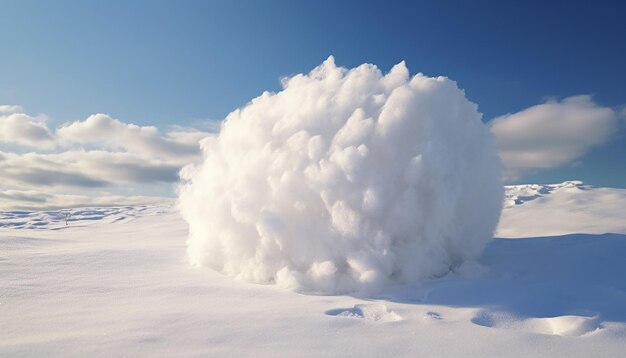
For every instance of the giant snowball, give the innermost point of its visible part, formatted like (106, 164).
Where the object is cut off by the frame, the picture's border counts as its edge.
(346, 180)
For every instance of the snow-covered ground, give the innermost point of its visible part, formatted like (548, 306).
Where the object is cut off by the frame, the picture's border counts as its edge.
(113, 282)
(560, 209)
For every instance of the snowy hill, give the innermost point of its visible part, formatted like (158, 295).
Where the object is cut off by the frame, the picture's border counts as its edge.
(113, 282)
(560, 209)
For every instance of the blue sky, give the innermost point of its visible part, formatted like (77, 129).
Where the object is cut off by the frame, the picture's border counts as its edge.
(165, 62)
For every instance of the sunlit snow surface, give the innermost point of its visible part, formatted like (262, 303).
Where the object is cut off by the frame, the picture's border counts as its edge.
(80, 217)
(113, 282)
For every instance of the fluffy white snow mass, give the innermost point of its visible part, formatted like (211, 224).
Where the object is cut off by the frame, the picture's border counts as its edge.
(346, 180)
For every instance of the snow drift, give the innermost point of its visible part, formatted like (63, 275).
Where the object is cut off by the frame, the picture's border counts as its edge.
(345, 180)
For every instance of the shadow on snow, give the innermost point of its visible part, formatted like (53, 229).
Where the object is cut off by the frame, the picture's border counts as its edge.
(575, 274)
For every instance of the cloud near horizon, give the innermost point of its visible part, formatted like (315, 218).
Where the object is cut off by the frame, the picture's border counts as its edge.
(99, 153)
(23, 130)
(552, 134)
(37, 200)
(130, 137)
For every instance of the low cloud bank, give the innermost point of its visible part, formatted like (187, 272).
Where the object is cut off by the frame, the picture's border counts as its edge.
(33, 200)
(346, 180)
(99, 153)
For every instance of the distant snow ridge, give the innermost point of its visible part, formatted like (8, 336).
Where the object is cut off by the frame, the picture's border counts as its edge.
(519, 194)
(345, 180)
(529, 210)
(69, 218)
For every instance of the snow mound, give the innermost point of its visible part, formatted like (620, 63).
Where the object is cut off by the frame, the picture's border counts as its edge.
(344, 181)
(519, 194)
(371, 312)
(568, 326)
(529, 210)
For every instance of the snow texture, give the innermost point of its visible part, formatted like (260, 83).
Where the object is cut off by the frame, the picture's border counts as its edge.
(529, 210)
(103, 287)
(346, 180)
(77, 217)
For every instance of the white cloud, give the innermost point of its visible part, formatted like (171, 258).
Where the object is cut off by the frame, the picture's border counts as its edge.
(99, 152)
(99, 131)
(552, 134)
(104, 131)
(24, 130)
(8, 109)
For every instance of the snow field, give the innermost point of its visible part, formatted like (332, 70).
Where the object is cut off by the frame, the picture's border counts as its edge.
(123, 288)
